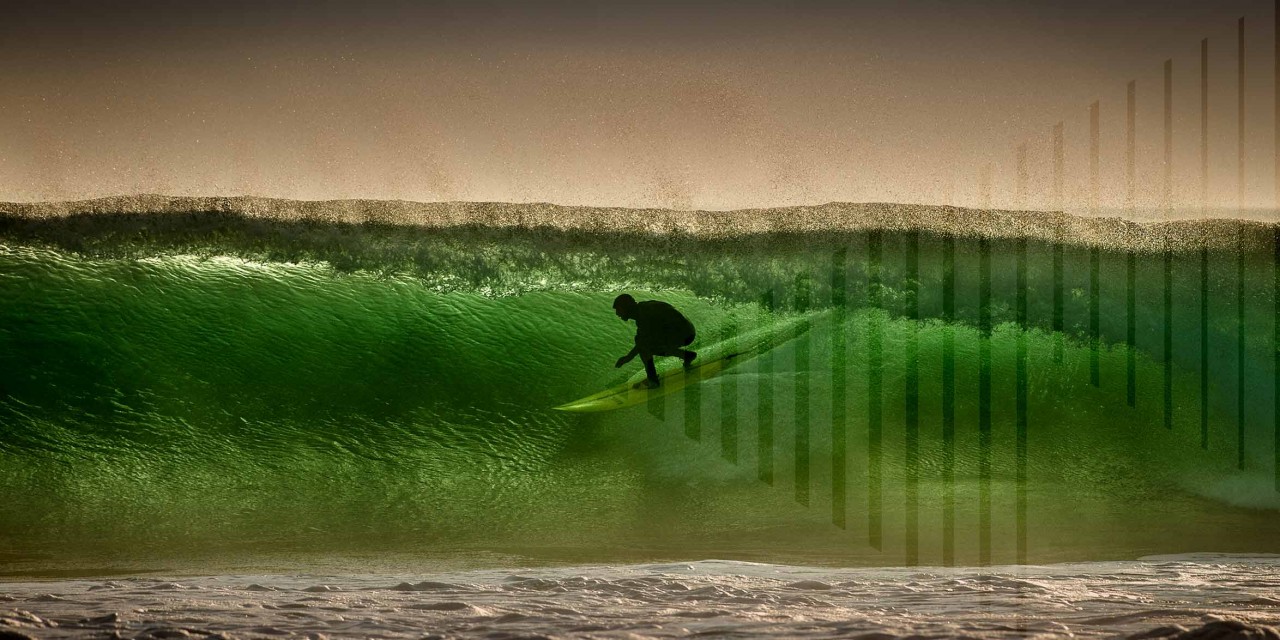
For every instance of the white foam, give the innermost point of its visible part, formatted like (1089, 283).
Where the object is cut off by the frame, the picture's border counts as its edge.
(1158, 596)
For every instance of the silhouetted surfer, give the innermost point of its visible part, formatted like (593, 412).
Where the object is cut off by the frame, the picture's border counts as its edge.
(660, 331)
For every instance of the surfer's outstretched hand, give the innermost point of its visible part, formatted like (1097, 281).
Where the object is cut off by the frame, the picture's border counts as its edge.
(621, 361)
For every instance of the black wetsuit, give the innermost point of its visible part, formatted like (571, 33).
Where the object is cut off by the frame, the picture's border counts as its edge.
(660, 329)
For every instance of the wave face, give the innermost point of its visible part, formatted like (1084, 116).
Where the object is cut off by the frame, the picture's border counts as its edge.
(212, 385)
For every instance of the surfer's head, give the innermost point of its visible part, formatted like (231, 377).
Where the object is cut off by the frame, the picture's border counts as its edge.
(625, 306)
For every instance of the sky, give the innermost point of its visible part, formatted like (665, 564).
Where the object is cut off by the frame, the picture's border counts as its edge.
(706, 105)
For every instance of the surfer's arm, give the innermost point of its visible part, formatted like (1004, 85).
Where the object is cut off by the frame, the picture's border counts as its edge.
(631, 355)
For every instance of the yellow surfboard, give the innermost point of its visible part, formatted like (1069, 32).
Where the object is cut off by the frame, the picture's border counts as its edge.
(741, 348)
(629, 394)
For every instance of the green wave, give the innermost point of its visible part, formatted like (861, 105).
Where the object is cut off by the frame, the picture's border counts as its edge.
(182, 398)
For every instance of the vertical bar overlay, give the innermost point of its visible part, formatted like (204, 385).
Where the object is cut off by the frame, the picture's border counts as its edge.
(1204, 123)
(764, 407)
(1204, 348)
(1059, 162)
(1204, 252)
(1167, 189)
(1020, 192)
(984, 186)
(984, 401)
(693, 412)
(875, 418)
(1021, 369)
(1168, 251)
(1275, 268)
(1131, 261)
(839, 401)
(1094, 251)
(949, 401)
(1021, 372)
(912, 408)
(729, 399)
(1240, 249)
(801, 389)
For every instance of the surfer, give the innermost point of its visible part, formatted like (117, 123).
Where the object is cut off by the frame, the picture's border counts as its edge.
(660, 331)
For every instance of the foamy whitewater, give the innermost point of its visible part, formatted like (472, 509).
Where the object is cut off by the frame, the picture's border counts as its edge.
(1205, 596)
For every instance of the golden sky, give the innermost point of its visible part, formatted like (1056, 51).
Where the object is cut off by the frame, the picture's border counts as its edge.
(690, 105)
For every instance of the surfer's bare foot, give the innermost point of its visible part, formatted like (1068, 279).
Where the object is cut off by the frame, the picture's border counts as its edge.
(688, 358)
(646, 384)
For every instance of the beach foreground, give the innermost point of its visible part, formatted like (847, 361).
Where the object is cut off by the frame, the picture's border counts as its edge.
(1161, 596)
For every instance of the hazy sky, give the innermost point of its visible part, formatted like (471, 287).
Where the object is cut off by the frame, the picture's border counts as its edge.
(702, 104)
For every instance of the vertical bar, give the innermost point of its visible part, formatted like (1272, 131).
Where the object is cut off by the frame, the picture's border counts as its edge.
(1204, 348)
(657, 407)
(1020, 192)
(1131, 307)
(1275, 267)
(839, 401)
(949, 401)
(1204, 252)
(1275, 335)
(1021, 372)
(1131, 146)
(1168, 251)
(875, 422)
(1240, 353)
(1168, 339)
(912, 409)
(1240, 249)
(1059, 162)
(693, 412)
(801, 389)
(1020, 366)
(1167, 197)
(1095, 324)
(1094, 147)
(984, 187)
(729, 399)
(1204, 123)
(764, 408)
(984, 401)
(1240, 87)
(1131, 266)
(1094, 251)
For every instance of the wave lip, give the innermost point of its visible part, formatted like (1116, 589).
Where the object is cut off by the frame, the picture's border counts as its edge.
(1112, 233)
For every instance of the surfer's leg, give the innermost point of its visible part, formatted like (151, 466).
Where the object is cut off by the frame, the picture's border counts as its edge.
(649, 370)
(688, 357)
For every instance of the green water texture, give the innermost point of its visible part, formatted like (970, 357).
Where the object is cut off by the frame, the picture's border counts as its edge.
(209, 390)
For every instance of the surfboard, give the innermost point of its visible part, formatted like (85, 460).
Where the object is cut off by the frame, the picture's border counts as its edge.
(627, 394)
(712, 361)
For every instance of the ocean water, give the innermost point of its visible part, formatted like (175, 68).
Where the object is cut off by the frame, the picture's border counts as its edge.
(230, 388)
